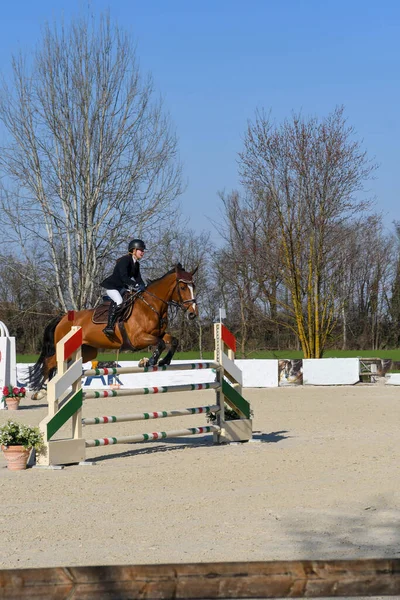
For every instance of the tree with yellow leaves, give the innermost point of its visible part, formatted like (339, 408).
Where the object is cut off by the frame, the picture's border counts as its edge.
(307, 176)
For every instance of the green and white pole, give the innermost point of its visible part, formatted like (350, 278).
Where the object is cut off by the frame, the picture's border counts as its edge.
(189, 387)
(125, 370)
(148, 437)
(162, 414)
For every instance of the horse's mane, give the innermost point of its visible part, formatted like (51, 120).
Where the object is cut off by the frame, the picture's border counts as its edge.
(173, 269)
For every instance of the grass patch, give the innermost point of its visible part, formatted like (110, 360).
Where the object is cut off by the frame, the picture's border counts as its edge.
(27, 358)
(108, 356)
(194, 355)
(281, 354)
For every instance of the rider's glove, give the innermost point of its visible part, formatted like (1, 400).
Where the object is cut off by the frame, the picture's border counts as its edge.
(138, 287)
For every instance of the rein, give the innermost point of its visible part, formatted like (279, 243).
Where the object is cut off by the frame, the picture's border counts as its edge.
(181, 304)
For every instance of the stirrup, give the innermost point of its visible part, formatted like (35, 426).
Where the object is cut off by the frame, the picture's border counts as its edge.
(109, 330)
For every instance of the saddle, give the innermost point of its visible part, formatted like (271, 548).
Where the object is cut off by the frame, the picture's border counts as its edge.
(100, 313)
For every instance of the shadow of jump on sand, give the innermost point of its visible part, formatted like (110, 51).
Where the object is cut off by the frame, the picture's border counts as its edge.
(185, 443)
(158, 446)
(33, 406)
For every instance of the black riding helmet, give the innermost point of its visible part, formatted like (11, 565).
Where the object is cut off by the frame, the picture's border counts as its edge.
(136, 244)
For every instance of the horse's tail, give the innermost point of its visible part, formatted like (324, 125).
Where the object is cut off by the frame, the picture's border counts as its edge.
(37, 373)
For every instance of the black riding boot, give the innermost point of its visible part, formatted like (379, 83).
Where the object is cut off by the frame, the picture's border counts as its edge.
(112, 317)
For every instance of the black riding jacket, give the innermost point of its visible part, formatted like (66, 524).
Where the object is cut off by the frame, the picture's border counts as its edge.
(126, 272)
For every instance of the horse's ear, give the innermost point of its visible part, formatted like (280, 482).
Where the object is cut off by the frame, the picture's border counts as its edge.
(194, 271)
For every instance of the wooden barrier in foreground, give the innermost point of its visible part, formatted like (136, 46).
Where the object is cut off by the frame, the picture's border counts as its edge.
(293, 579)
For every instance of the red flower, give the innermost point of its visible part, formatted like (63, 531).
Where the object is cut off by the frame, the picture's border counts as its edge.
(6, 391)
(22, 391)
(16, 391)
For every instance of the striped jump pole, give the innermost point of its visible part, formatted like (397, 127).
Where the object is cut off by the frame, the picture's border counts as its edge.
(148, 437)
(163, 389)
(162, 414)
(126, 370)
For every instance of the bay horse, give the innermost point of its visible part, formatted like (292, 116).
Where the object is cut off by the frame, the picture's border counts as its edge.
(145, 323)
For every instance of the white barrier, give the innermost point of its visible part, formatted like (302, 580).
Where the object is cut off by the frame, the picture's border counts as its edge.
(259, 373)
(159, 378)
(8, 363)
(331, 371)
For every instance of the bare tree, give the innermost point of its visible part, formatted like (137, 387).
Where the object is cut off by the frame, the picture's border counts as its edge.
(178, 243)
(309, 173)
(24, 306)
(372, 268)
(248, 267)
(90, 158)
(393, 299)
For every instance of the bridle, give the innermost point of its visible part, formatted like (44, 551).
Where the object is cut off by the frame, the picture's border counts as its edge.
(181, 304)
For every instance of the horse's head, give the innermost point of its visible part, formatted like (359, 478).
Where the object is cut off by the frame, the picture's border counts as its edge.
(184, 291)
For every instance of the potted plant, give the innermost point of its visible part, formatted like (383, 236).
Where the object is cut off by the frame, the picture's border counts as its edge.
(12, 396)
(17, 441)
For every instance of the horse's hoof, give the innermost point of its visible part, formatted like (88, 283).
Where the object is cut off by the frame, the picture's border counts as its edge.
(39, 395)
(162, 363)
(144, 362)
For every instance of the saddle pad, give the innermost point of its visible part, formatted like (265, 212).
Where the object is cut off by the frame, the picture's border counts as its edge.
(100, 313)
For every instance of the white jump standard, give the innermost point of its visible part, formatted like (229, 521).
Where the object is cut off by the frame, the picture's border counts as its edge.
(65, 404)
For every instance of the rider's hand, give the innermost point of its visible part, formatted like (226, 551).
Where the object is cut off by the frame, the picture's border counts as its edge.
(138, 287)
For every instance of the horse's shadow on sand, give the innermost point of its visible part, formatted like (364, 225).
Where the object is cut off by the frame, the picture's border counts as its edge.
(185, 443)
(271, 438)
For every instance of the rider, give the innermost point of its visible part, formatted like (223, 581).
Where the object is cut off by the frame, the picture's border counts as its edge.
(126, 276)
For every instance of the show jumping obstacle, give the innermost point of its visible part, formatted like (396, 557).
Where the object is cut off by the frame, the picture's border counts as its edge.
(65, 397)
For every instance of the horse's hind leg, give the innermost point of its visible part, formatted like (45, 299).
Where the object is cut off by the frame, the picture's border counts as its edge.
(172, 344)
(49, 370)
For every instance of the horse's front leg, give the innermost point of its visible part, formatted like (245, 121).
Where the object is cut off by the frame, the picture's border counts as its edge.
(171, 343)
(156, 353)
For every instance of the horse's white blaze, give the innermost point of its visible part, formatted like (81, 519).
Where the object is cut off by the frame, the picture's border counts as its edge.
(192, 294)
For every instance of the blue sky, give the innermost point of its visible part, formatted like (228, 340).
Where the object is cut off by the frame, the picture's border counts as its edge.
(216, 61)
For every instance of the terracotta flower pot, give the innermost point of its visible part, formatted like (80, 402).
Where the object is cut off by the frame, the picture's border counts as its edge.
(16, 457)
(13, 403)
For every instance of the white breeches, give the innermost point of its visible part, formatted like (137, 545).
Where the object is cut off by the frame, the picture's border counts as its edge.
(115, 296)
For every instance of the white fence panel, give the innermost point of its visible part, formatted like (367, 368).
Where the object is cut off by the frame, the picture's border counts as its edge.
(331, 371)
